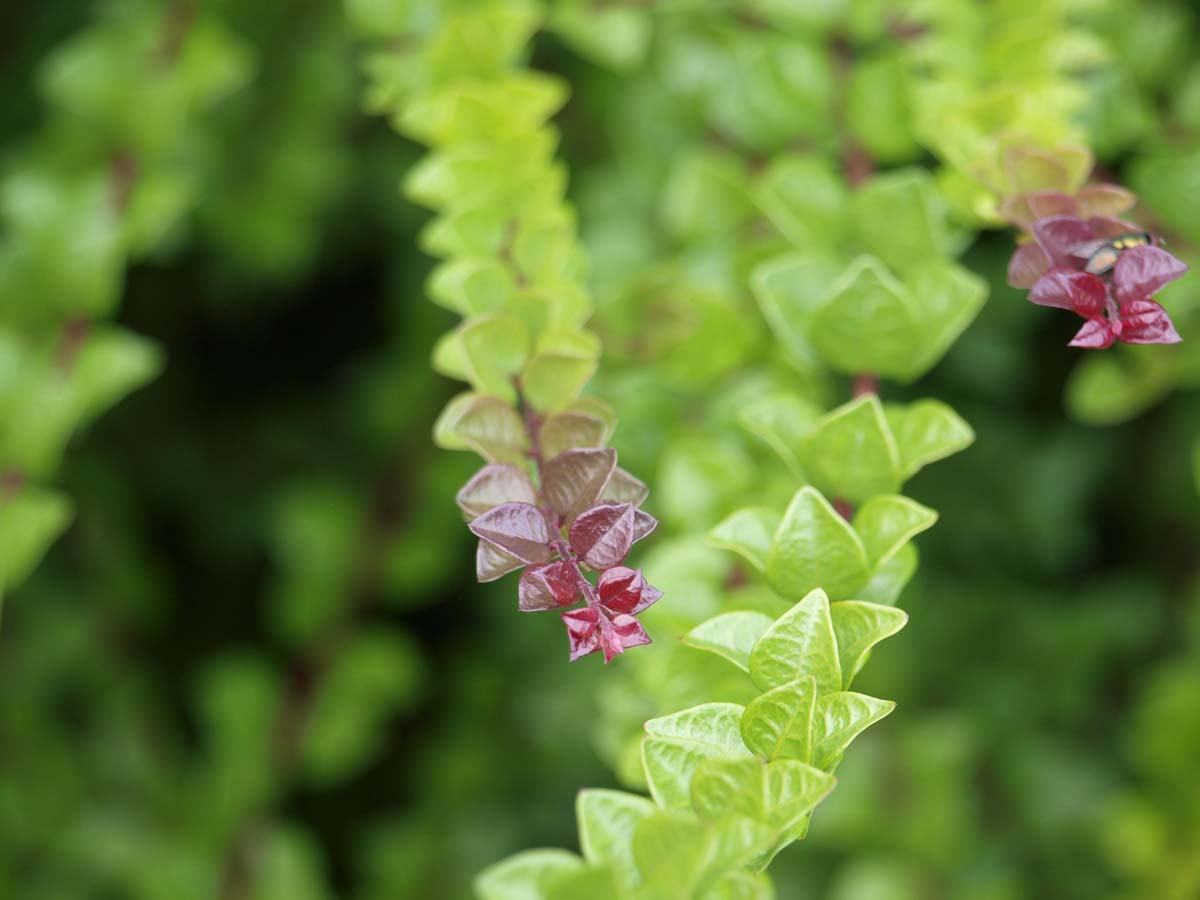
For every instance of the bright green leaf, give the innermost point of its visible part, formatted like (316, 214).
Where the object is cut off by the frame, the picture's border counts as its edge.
(926, 431)
(749, 533)
(815, 547)
(840, 718)
(674, 745)
(525, 876)
(888, 522)
(851, 453)
(778, 724)
(801, 642)
(860, 626)
(607, 820)
(731, 635)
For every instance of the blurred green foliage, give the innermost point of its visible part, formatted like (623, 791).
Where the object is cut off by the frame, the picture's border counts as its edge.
(256, 664)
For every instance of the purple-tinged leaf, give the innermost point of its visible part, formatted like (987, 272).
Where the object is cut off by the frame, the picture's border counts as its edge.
(548, 586)
(643, 524)
(625, 590)
(603, 534)
(1057, 236)
(583, 631)
(491, 562)
(1141, 272)
(1027, 265)
(568, 430)
(574, 480)
(1105, 227)
(1145, 322)
(518, 529)
(493, 485)
(1079, 291)
(1094, 335)
(625, 488)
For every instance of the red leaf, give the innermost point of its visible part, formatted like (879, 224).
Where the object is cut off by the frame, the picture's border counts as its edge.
(1027, 265)
(1079, 291)
(583, 631)
(548, 586)
(574, 479)
(630, 631)
(603, 534)
(626, 590)
(1141, 272)
(491, 562)
(492, 485)
(1145, 322)
(1096, 334)
(519, 529)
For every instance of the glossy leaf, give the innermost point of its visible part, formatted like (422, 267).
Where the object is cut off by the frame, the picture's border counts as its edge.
(518, 529)
(926, 431)
(889, 579)
(626, 590)
(603, 534)
(779, 794)
(886, 523)
(778, 723)
(492, 563)
(815, 547)
(568, 430)
(625, 488)
(731, 635)
(574, 480)
(749, 533)
(860, 626)
(841, 717)
(548, 586)
(607, 822)
(682, 856)
(494, 485)
(900, 218)
(800, 642)
(674, 745)
(850, 453)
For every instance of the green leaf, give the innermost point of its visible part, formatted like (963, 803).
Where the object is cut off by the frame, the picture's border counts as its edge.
(946, 299)
(840, 718)
(674, 745)
(1111, 388)
(790, 290)
(879, 108)
(472, 286)
(747, 532)
(706, 194)
(889, 579)
(487, 425)
(731, 635)
(31, 519)
(494, 348)
(781, 421)
(800, 642)
(860, 626)
(778, 724)
(779, 794)
(559, 370)
(615, 37)
(925, 432)
(886, 523)
(815, 547)
(851, 453)
(743, 886)
(867, 323)
(805, 199)
(526, 875)
(373, 677)
(681, 856)
(900, 218)
(607, 821)
(588, 883)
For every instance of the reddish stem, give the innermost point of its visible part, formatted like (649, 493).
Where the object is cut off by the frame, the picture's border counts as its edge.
(864, 383)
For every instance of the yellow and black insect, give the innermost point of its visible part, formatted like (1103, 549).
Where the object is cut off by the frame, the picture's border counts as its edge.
(1102, 255)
